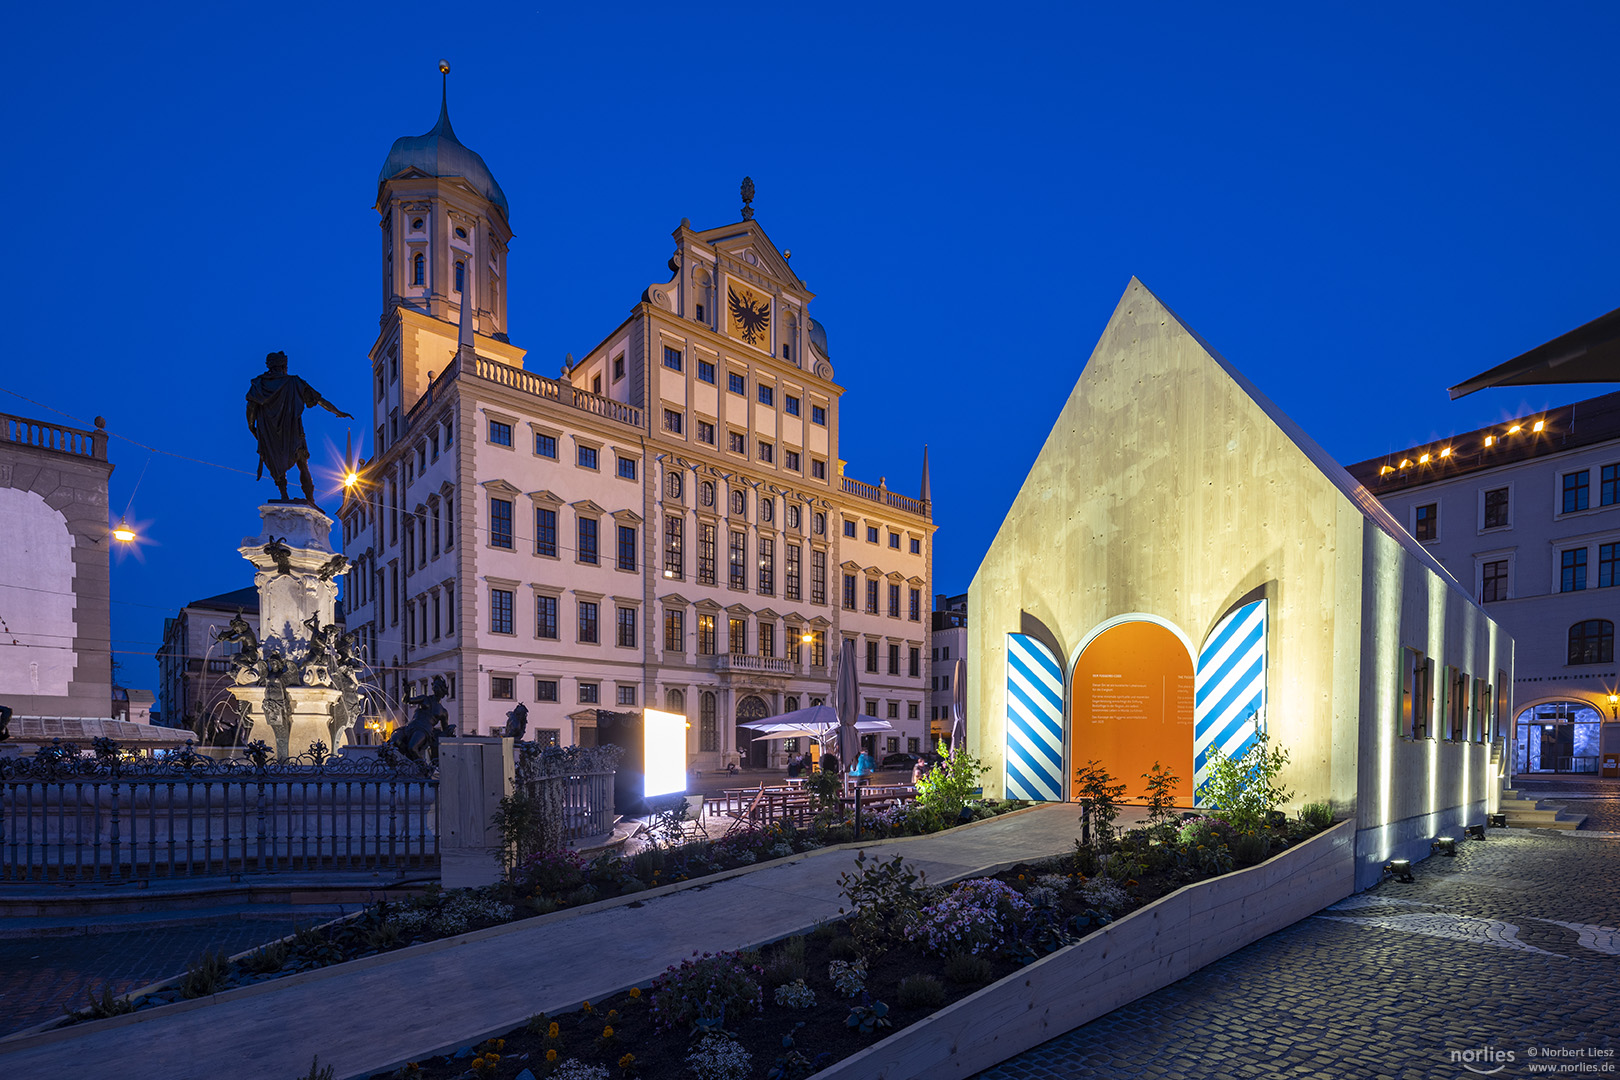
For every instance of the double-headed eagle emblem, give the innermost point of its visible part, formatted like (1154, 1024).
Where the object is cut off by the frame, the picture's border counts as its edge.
(752, 317)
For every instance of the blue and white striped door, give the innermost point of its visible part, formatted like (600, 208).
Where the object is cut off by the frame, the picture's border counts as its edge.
(1229, 697)
(1034, 721)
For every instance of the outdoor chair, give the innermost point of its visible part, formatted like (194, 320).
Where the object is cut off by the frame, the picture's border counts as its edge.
(692, 819)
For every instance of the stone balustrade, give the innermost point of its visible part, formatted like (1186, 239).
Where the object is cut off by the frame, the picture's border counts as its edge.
(55, 437)
(880, 493)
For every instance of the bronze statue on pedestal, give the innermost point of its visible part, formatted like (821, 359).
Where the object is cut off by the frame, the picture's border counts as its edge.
(275, 414)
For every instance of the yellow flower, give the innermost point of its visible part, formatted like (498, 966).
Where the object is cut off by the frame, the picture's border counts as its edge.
(635, 993)
(627, 1061)
(551, 1055)
(587, 1008)
(613, 1014)
(607, 1032)
(553, 1031)
(478, 1063)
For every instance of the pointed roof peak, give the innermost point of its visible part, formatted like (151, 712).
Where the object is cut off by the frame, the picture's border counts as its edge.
(925, 494)
(439, 152)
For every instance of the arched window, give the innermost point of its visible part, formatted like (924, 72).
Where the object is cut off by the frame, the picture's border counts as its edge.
(708, 731)
(790, 704)
(672, 485)
(675, 701)
(1591, 642)
(706, 493)
(419, 269)
(739, 503)
(793, 517)
(461, 275)
(767, 509)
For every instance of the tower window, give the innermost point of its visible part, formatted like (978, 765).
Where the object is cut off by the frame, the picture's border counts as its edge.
(461, 275)
(416, 224)
(700, 317)
(418, 269)
(461, 234)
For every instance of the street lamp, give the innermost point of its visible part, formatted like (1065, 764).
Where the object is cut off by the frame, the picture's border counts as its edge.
(1614, 706)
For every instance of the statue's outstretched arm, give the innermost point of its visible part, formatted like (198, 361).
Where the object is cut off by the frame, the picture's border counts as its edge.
(333, 409)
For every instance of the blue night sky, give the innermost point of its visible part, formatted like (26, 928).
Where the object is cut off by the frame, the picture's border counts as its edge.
(1357, 213)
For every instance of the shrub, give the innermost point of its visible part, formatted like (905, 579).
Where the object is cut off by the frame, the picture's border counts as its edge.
(884, 899)
(1242, 789)
(552, 873)
(718, 1057)
(1160, 798)
(706, 988)
(207, 976)
(847, 977)
(1249, 848)
(1207, 831)
(949, 785)
(318, 1073)
(268, 959)
(795, 995)
(1099, 803)
(975, 915)
(921, 992)
(967, 969)
(1317, 815)
(106, 1004)
(843, 948)
(787, 963)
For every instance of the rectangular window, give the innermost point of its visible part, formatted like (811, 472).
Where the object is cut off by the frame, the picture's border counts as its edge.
(705, 371)
(590, 693)
(627, 547)
(791, 589)
(818, 469)
(767, 638)
(500, 433)
(587, 621)
(449, 524)
(674, 549)
(1611, 485)
(618, 367)
(871, 596)
(791, 459)
(1494, 579)
(767, 566)
(871, 534)
(1608, 557)
(736, 443)
(849, 529)
(739, 560)
(1573, 570)
(673, 421)
(627, 468)
(737, 636)
(915, 612)
(1496, 508)
(790, 404)
(818, 576)
(818, 415)
(705, 635)
(674, 630)
(500, 611)
(705, 432)
(767, 395)
(767, 452)
(893, 709)
(913, 744)
(672, 358)
(849, 592)
(705, 557)
(736, 384)
(500, 523)
(894, 541)
(627, 627)
(586, 547)
(586, 457)
(708, 729)
(545, 689)
(627, 694)
(914, 666)
(894, 600)
(1426, 521)
(500, 687)
(1575, 490)
(545, 531)
(872, 657)
(545, 617)
(545, 445)
(894, 659)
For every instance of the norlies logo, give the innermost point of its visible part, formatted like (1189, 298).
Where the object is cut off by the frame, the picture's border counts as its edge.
(1485, 1061)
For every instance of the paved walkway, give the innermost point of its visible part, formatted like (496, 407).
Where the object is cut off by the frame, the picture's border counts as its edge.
(1513, 946)
(379, 1012)
(1597, 798)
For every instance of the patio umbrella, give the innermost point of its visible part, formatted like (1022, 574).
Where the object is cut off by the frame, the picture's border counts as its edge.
(958, 704)
(846, 699)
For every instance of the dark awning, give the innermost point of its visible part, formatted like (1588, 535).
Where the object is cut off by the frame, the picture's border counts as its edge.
(1587, 354)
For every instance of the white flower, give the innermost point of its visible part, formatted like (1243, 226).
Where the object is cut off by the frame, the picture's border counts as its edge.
(718, 1057)
(795, 995)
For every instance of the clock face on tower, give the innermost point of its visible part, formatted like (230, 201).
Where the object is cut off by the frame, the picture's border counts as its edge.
(750, 315)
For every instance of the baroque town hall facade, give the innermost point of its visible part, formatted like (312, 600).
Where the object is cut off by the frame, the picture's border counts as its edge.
(666, 524)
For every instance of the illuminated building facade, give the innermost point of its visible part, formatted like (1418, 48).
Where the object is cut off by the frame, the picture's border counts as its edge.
(666, 523)
(194, 665)
(1184, 568)
(1526, 514)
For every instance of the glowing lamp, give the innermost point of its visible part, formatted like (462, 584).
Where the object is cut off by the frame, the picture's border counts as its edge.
(1445, 845)
(1446, 452)
(1386, 470)
(1423, 459)
(1614, 699)
(351, 478)
(1400, 869)
(124, 534)
(1490, 440)
(1406, 463)
(1515, 429)
(1538, 425)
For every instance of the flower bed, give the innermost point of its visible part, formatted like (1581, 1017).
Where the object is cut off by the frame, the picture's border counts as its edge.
(905, 951)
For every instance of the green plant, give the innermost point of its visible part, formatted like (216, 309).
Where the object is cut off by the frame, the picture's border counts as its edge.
(1242, 789)
(1099, 798)
(966, 969)
(318, 1073)
(948, 786)
(843, 948)
(921, 992)
(868, 1018)
(517, 821)
(786, 963)
(791, 1064)
(824, 790)
(207, 976)
(383, 936)
(1316, 815)
(706, 987)
(105, 1004)
(1249, 848)
(268, 959)
(1160, 799)
(884, 898)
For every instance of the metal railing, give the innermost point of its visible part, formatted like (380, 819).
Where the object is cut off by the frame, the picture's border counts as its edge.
(587, 802)
(65, 816)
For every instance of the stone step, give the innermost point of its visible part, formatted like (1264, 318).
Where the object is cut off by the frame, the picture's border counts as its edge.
(1537, 817)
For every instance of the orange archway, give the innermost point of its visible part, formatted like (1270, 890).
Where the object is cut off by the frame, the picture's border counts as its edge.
(1131, 704)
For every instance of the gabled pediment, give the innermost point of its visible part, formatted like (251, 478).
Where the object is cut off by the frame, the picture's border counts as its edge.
(626, 517)
(674, 600)
(767, 613)
(502, 487)
(739, 610)
(707, 605)
(547, 497)
(586, 506)
(747, 244)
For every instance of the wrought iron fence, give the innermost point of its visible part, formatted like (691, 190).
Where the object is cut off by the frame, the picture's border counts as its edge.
(586, 802)
(106, 816)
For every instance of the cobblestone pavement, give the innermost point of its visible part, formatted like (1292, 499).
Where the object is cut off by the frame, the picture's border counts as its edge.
(1597, 798)
(1512, 945)
(41, 976)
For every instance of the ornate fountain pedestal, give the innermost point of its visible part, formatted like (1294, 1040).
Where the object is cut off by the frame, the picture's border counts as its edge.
(297, 684)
